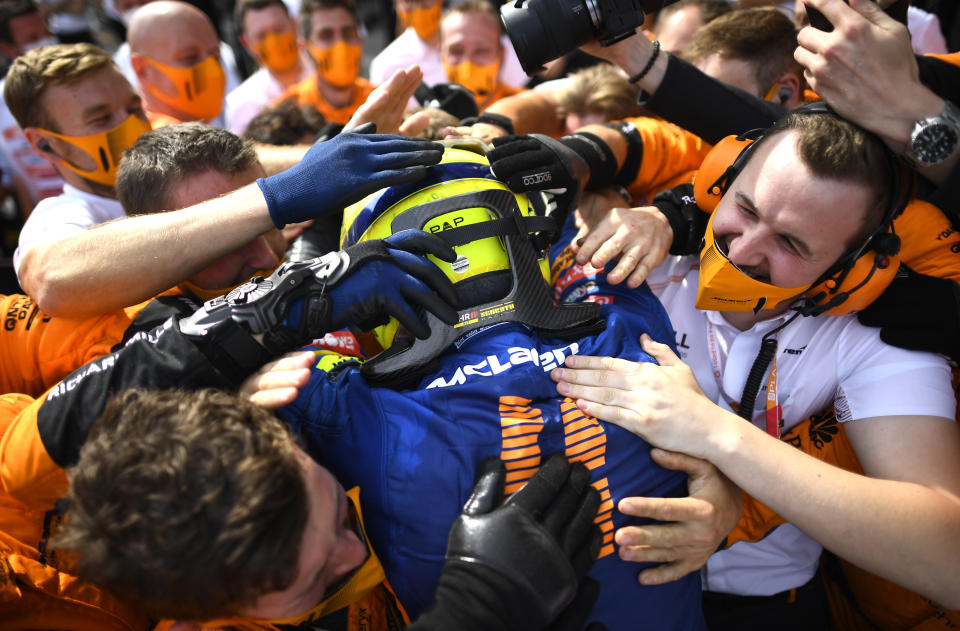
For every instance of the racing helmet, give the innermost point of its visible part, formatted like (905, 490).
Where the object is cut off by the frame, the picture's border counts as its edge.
(500, 273)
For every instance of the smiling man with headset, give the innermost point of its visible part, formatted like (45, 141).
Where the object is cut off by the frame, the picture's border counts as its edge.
(800, 224)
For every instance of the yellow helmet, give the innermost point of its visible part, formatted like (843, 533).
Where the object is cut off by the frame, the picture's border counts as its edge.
(500, 243)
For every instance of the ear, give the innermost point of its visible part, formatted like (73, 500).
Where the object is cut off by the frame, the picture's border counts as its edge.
(41, 144)
(139, 65)
(790, 90)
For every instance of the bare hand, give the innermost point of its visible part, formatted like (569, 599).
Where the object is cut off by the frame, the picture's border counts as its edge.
(639, 237)
(385, 105)
(662, 404)
(480, 131)
(276, 384)
(696, 524)
(866, 70)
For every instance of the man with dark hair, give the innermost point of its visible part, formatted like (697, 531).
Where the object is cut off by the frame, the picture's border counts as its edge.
(287, 123)
(160, 163)
(753, 50)
(419, 43)
(471, 51)
(777, 247)
(678, 22)
(268, 32)
(30, 176)
(335, 43)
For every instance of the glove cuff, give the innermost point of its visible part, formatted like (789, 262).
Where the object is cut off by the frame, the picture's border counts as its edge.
(686, 220)
(273, 204)
(598, 156)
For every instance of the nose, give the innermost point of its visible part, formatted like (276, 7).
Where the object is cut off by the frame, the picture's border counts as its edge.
(746, 249)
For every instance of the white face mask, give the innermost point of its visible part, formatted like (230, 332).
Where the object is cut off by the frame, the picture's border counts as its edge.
(46, 41)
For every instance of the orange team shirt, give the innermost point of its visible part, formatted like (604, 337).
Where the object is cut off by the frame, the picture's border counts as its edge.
(307, 93)
(671, 156)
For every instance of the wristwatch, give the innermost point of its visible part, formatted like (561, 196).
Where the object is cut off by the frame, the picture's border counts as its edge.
(936, 138)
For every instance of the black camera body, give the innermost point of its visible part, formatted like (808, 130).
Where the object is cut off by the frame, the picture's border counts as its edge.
(543, 30)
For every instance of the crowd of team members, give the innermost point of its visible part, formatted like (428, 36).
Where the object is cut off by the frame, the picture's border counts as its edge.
(714, 262)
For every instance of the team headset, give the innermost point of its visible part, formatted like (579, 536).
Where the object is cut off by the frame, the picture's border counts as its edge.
(848, 286)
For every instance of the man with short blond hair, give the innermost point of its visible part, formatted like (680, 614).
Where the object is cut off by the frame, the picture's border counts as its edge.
(78, 113)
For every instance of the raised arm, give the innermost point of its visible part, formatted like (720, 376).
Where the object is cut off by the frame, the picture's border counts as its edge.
(132, 259)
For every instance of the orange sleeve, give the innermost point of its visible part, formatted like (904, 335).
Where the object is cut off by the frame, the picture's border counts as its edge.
(950, 58)
(39, 350)
(27, 473)
(671, 155)
(930, 244)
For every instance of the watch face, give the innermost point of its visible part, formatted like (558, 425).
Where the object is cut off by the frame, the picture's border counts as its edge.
(935, 143)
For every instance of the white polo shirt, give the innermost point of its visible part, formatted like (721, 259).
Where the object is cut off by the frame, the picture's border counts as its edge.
(253, 95)
(820, 361)
(63, 216)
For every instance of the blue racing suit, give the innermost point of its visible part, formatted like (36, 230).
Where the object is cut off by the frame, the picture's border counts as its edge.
(415, 452)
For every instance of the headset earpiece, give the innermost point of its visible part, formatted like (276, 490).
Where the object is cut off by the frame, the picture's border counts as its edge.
(44, 146)
(859, 277)
(718, 169)
(784, 95)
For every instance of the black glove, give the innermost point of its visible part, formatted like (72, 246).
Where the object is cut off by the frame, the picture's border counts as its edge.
(363, 285)
(518, 565)
(687, 221)
(452, 98)
(918, 312)
(536, 163)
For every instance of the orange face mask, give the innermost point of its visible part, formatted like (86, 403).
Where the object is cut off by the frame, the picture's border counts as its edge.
(424, 20)
(481, 80)
(339, 64)
(364, 578)
(723, 286)
(200, 88)
(278, 51)
(105, 148)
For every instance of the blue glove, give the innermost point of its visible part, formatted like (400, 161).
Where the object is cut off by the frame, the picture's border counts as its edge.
(344, 170)
(363, 285)
(393, 277)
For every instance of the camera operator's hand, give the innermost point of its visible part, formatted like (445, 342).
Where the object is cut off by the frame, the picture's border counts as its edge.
(518, 565)
(343, 170)
(632, 55)
(362, 285)
(918, 312)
